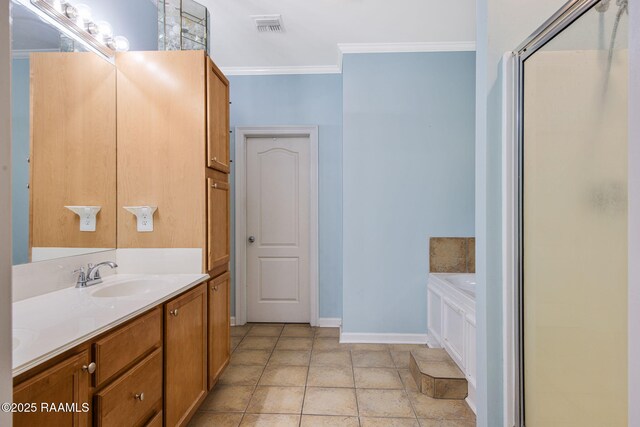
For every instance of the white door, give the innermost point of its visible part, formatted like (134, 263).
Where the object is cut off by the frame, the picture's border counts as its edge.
(278, 186)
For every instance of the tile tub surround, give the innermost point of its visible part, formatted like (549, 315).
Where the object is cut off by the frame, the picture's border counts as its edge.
(319, 382)
(49, 324)
(452, 255)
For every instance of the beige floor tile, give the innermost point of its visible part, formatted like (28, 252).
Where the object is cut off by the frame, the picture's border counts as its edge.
(241, 375)
(407, 380)
(369, 347)
(384, 403)
(401, 358)
(265, 331)
(228, 398)
(289, 376)
(276, 400)
(330, 358)
(425, 422)
(298, 331)
(250, 357)
(270, 420)
(290, 357)
(380, 378)
(294, 344)
(328, 421)
(406, 347)
(210, 419)
(372, 359)
(330, 401)
(328, 332)
(258, 343)
(330, 376)
(328, 344)
(235, 341)
(240, 331)
(388, 422)
(440, 409)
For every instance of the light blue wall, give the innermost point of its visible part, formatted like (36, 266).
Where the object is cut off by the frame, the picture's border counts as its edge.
(19, 154)
(137, 20)
(408, 175)
(303, 100)
(495, 36)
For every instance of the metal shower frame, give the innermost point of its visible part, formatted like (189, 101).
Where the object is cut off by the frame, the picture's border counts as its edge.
(562, 19)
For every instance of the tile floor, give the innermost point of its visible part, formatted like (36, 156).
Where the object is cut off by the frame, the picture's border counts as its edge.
(294, 375)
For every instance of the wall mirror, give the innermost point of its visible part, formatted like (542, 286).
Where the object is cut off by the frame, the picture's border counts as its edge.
(63, 104)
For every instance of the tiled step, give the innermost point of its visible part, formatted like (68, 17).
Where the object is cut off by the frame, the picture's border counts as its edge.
(437, 375)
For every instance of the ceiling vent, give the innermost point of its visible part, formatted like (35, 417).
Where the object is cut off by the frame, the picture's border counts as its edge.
(268, 23)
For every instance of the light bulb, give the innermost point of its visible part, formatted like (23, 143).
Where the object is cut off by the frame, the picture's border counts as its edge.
(105, 30)
(122, 43)
(84, 14)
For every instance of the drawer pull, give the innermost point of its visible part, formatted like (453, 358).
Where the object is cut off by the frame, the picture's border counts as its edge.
(174, 312)
(90, 368)
(139, 396)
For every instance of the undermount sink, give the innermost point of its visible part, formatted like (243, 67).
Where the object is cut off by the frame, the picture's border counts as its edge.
(126, 289)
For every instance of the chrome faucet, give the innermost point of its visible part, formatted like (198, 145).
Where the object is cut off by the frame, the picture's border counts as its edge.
(92, 276)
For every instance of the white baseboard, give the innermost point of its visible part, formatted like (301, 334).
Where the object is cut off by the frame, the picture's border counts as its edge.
(329, 322)
(433, 342)
(233, 320)
(373, 338)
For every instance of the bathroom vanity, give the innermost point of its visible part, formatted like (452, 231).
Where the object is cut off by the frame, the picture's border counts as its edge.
(137, 349)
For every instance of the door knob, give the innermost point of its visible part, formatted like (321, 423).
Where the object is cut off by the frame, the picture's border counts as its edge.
(252, 239)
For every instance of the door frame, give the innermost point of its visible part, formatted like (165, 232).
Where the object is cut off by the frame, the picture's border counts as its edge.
(242, 133)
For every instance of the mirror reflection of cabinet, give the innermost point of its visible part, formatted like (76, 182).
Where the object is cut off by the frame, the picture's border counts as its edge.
(73, 152)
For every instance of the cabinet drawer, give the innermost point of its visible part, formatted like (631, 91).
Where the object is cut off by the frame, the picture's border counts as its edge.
(156, 421)
(118, 350)
(132, 398)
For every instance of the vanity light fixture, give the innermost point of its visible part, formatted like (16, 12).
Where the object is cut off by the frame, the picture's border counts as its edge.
(76, 21)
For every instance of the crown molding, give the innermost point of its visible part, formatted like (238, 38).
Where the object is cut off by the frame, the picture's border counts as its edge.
(267, 71)
(354, 48)
(465, 46)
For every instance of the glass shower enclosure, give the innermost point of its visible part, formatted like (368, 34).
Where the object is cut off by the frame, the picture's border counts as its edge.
(572, 218)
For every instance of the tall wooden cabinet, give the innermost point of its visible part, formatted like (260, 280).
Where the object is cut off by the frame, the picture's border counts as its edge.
(173, 153)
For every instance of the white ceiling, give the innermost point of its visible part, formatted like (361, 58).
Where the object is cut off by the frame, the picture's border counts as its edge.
(314, 28)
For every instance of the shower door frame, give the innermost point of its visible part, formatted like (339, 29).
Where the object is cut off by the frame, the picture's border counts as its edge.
(514, 238)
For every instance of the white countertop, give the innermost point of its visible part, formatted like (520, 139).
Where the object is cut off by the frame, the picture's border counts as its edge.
(49, 324)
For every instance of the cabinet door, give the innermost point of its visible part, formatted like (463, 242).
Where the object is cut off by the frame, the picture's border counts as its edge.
(218, 247)
(219, 327)
(65, 383)
(218, 119)
(185, 355)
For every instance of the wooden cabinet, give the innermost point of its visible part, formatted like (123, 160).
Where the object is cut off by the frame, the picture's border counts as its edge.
(219, 327)
(173, 139)
(67, 382)
(120, 349)
(134, 397)
(185, 355)
(218, 118)
(218, 226)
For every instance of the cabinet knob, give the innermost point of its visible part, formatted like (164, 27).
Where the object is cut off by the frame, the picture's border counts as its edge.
(139, 396)
(215, 288)
(90, 368)
(214, 185)
(174, 312)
